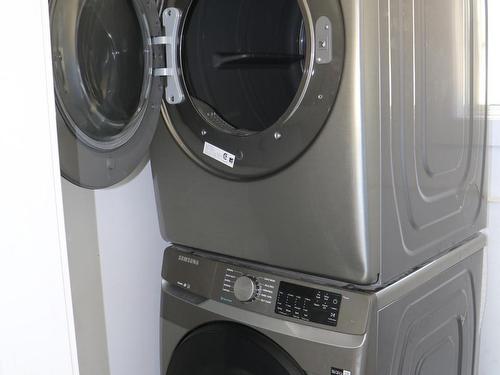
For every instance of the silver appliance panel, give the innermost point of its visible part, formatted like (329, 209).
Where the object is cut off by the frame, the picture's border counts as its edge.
(425, 323)
(276, 296)
(395, 178)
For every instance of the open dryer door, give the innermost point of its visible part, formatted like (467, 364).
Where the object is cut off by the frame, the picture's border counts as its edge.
(108, 62)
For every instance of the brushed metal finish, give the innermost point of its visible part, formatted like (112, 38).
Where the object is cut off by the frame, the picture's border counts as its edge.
(208, 279)
(395, 178)
(433, 328)
(259, 220)
(426, 323)
(433, 146)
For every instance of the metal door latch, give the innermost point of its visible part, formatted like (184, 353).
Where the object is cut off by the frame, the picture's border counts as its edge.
(171, 21)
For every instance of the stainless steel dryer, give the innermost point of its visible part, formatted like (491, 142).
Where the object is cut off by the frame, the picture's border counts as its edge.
(340, 138)
(225, 317)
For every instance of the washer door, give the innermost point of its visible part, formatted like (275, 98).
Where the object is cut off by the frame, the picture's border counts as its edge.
(230, 349)
(108, 99)
(261, 78)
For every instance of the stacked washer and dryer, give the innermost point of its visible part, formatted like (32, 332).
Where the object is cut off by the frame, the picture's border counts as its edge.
(323, 184)
(319, 167)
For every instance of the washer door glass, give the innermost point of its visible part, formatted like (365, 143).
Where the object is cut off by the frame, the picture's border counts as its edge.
(230, 349)
(105, 92)
(109, 48)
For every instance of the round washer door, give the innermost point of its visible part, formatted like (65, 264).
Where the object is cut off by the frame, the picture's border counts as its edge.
(108, 99)
(230, 349)
(260, 77)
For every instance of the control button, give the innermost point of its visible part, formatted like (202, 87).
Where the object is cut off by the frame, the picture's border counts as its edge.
(245, 289)
(333, 316)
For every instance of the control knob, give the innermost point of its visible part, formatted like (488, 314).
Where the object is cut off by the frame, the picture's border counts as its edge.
(245, 289)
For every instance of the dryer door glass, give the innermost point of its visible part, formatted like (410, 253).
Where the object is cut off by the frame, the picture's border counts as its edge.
(230, 349)
(107, 99)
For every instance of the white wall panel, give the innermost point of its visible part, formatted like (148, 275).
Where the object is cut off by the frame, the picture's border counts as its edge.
(86, 281)
(36, 318)
(494, 191)
(494, 155)
(131, 250)
(489, 362)
(494, 130)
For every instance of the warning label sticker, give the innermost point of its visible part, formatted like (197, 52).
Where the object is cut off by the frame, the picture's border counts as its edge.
(219, 154)
(338, 371)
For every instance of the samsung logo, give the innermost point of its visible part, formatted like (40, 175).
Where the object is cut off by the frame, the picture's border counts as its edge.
(188, 260)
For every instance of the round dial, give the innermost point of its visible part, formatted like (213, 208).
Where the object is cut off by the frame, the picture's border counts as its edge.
(245, 289)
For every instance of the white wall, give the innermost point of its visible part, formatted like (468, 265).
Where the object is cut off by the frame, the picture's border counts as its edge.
(115, 256)
(86, 281)
(36, 319)
(489, 363)
(131, 252)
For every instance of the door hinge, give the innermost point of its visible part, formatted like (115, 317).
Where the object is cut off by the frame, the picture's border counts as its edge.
(171, 18)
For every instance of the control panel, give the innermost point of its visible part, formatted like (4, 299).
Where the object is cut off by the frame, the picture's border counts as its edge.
(266, 293)
(308, 304)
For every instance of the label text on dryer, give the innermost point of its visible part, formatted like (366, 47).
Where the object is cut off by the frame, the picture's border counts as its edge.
(185, 259)
(338, 371)
(219, 154)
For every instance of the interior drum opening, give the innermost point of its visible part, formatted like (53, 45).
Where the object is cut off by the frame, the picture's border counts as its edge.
(243, 61)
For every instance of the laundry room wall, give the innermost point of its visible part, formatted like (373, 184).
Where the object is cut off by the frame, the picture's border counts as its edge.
(115, 254)
(489, 361)
(131, 250)
(489, 357)
(36, 318)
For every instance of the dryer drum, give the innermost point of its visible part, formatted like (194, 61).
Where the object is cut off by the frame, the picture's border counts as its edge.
(244, 59)
(254, 84)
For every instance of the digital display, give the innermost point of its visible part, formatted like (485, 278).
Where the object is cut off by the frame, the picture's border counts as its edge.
(308, 304)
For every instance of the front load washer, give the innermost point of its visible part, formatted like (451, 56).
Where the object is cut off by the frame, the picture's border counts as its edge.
(340, 138)
(225, 317)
